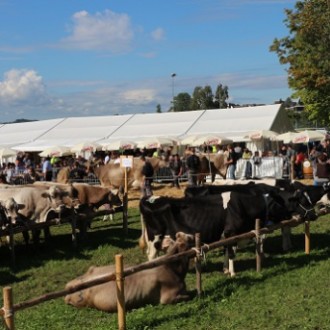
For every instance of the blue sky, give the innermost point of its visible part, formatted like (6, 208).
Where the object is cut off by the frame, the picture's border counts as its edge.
(68, 58)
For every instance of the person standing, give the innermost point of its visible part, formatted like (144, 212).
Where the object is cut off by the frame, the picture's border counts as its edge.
(231, 162)
(291, 157)
(176, 169)
(193, 164)
(47, 170)
(147, 173)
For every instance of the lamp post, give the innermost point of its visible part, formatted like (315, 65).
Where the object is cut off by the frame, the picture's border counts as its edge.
(173, 75)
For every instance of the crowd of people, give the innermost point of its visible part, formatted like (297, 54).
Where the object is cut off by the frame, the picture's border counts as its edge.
(26, 169)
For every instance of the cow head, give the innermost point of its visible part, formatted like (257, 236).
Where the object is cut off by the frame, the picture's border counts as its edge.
(10, 210)
(302, 205)
(182, 243)
(58, 198)
(114, 198)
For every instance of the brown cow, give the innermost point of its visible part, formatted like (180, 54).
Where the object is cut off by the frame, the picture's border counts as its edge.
(87, 200)
(212, 163)
(164, 284)
(114, 176)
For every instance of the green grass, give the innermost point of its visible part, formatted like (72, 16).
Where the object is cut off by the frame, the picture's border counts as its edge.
(291, 292)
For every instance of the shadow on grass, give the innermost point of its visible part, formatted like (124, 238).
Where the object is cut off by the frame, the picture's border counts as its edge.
(275, 264)
(59, 246)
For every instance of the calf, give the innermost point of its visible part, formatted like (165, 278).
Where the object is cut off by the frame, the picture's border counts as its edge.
(164, 284)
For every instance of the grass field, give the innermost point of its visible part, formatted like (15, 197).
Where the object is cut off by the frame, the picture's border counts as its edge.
(291, 292)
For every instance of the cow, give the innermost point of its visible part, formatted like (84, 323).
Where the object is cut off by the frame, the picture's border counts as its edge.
(87, 201)
(10, 217)
(243, 209)
(40, 203)
(229, 213)
(305, 207)
(319, 195)
(165, 216)
(251, 187)
(211, 164)
(90, 197)
(216, 163)
(163, 284)
(11, 209)
(113, 175)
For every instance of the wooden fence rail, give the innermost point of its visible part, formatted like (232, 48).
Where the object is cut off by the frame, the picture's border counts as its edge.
(9, 309)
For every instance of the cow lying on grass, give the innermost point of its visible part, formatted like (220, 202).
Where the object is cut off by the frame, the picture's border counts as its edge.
(164, 284)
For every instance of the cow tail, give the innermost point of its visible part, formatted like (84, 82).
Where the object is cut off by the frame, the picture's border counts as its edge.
(142, 239)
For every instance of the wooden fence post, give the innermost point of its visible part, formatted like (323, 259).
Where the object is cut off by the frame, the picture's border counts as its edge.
(307, 238)
(125, 203)
(120, 292)
(8, 308)
(258, 246)
(198, 265)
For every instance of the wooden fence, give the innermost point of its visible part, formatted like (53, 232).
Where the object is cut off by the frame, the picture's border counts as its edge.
(10, 231)
(9, 309)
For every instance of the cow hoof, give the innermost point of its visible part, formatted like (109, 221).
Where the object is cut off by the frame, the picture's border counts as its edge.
(226, 271)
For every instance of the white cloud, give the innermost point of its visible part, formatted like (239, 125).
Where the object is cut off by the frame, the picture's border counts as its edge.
(139, 96)
(22, 87)
(158, 34)
(102, 31)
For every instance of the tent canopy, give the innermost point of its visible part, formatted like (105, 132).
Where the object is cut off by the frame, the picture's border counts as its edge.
(234, 123)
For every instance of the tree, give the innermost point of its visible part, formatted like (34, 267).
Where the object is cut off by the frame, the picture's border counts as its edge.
(306, 51)
(182, 102)
(221, 95)
(158, 108)
(202, 98)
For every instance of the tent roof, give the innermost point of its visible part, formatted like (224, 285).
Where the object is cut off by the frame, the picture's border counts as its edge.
(234, 123)
(158, 124)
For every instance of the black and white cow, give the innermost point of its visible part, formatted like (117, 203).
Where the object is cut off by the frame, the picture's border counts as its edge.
(243, 209)
(163, 217)
(209, 215)
(244, 203)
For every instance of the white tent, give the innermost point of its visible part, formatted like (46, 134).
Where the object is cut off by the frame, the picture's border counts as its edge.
(233, 123)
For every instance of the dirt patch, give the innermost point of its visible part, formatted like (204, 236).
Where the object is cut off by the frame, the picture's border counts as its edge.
(159, 190)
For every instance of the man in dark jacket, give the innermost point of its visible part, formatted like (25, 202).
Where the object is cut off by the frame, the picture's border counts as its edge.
(193, 164)
(148, 173)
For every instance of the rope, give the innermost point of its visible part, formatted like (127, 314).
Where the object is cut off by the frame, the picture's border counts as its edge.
(200, 254)
(7, 312)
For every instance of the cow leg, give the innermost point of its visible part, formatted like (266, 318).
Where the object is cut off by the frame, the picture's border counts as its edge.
(83, 223)
(108, 217)
(152, 251)
(36, 236)
(26, 237)
(213, 177)
(228, 265)
(143, 238)
(47, 233)
(286, 239)
(74, 231)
